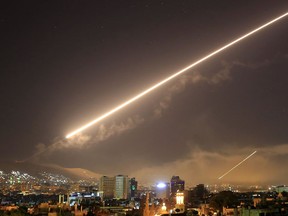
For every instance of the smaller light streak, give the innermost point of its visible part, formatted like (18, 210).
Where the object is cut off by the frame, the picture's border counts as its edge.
(237, 165)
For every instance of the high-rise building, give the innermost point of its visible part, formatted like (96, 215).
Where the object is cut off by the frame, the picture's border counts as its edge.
(107, 185)
(133, 188)
(176, 185)
(121, 187)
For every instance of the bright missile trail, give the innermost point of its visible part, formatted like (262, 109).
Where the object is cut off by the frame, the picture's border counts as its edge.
(237, 165)
(171, 77)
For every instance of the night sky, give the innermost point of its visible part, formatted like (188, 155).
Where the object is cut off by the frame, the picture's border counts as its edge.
(64, 63)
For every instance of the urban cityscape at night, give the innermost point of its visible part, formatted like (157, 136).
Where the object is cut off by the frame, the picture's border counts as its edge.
(144, 108)
(54, 194)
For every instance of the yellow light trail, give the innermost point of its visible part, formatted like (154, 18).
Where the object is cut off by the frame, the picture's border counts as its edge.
(237, 165)
(171, 77)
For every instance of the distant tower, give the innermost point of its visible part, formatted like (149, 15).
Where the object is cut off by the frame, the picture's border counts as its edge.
(68, 199)
(133, 188)
(176, 185)
(61, 198)
(121, 187)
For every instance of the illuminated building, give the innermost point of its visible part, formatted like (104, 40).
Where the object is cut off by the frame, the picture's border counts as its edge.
(107, 184)
(177, 185)
(280, 189)
(179, 206)
(121, 187)
(164, 208)
(133, 187)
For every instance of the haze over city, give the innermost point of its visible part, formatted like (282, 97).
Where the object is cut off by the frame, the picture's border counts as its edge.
(65, 63)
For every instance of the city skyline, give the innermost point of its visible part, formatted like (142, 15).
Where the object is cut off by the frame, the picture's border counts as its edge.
(66, 63)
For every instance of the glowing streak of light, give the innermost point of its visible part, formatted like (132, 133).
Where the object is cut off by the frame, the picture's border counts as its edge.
(171, 77)
(237, 165)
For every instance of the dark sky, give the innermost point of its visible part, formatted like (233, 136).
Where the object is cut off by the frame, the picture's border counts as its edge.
(64, 63)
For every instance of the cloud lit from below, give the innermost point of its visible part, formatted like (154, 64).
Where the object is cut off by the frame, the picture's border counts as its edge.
(203, 166)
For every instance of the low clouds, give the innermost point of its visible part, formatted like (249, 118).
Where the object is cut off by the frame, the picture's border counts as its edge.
(204, 166)
(114, 129)
(102, 133)
(80, 141)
